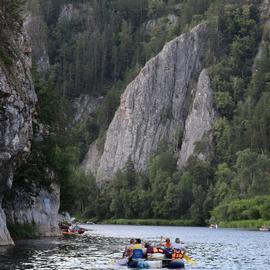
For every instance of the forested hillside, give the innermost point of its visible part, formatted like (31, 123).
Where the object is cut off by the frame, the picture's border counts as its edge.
(97, 48)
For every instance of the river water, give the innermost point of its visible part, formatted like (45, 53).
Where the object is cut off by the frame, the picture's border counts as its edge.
(99, 248)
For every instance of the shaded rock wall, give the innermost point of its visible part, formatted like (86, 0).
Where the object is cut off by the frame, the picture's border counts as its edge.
(5, 238)
(37, 206)
(17, 106)
(84, 107)
(91, 161)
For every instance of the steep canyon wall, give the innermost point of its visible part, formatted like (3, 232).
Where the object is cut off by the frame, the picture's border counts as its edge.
(165, 103)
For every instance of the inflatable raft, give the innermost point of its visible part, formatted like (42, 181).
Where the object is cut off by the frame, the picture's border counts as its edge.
(154, 261)
(147, 264)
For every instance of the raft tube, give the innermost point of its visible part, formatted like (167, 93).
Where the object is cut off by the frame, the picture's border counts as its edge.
(141, 264)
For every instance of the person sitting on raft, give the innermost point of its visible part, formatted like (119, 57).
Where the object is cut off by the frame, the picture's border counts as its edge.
(138, 244)
(128, 249)
(178, 245)
(167, 243)
(148, 248)
(179, 250)
(137, 254)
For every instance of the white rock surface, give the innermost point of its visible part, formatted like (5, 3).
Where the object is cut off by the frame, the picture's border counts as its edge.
(199, 124)
(153, 107)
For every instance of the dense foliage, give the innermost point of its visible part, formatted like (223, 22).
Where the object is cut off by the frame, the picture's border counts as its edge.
(11, 21)
(97, 47)
(240, 167)
(163, 194)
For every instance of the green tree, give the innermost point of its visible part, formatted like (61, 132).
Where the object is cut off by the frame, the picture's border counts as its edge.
(252, 177)
(155, 7)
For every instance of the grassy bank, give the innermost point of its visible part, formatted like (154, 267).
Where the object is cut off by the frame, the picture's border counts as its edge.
(156, 222)
(23, 231)
(245, 224)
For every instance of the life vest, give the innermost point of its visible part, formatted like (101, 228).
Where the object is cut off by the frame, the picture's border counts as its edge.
(137, 246)
(168, 252)
(178, 254)
(158, 250)
(137, 254)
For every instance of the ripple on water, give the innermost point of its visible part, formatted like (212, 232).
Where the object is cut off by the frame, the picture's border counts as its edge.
(97, 250)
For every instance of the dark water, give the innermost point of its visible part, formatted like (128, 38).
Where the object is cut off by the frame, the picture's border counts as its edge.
(99, 248)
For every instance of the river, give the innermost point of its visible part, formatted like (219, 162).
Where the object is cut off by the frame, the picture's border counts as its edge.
(99, 248)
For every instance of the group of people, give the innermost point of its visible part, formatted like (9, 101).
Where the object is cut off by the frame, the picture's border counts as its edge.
(69, 228)
(139, 250)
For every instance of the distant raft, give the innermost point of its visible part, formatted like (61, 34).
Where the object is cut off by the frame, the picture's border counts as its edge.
(265, 228)
(71, 230)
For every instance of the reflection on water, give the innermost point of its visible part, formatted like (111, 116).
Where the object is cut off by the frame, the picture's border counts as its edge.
(80, 252)
(99, 248)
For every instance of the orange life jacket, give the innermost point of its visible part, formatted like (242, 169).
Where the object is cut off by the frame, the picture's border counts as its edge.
(178, 254)
(157, 250)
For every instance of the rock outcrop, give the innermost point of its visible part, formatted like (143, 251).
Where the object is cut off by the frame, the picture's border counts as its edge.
(91, 161)
(17, 106)
(5, 238)
(265, 9)
(36, 28)
(85, 106)
(265, 18)
(167, 22)
(198, 139)
(154, 106)
(35, 205)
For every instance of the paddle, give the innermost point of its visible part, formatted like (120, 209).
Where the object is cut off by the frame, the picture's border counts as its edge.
(189, 259)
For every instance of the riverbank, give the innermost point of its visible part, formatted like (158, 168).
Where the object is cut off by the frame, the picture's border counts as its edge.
(245, 224)
(239, 224)
(153, 222)
(23, 231)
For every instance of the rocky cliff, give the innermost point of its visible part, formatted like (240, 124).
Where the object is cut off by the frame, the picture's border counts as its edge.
(37, 30)
(155, 106)
(198, 139)
(36, 205)
(30, 201)
(18, 100)
(84, 107)
(91, 161)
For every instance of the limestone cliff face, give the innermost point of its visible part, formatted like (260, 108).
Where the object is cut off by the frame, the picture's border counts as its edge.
(265, 9)
(199, 124)
(91, 161)
(17, 105)
(5, 238)
(265, 17)
(84, 107)
(37, 30)
(169, 22)
(35, 205)
(154, 106)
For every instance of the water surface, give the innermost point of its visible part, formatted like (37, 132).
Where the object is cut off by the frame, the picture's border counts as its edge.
(98, 249)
